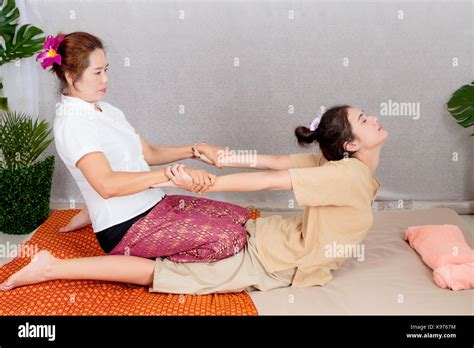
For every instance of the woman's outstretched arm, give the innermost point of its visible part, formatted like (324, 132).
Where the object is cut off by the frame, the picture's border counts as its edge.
(262, 162)
(224, 157)
(241, 182)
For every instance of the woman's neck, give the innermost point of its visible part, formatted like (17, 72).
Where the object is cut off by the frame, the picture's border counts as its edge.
(94, 103)
(370, 158)
(69, 94)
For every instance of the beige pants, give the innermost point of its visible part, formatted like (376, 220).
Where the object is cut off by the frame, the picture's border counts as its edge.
(243, 271)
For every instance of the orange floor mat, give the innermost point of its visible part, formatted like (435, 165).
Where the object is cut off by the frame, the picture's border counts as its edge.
(90, 297)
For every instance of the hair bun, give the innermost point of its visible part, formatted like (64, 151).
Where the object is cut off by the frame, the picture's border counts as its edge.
(305, 135)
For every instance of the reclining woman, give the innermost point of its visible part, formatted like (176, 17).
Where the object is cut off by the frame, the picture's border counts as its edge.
(336, 186)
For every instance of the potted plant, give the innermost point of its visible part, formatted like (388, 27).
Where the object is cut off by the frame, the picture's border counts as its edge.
(461, 105)
(25, 185)
(18, 43)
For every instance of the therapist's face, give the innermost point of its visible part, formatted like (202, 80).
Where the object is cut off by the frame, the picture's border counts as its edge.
(92, 85)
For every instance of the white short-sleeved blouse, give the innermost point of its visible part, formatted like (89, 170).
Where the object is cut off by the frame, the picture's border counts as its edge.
(80, 129)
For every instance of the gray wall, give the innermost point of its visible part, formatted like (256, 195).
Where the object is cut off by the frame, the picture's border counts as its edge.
(282, 62)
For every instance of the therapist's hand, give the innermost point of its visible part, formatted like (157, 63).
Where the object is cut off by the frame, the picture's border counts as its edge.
(189, 179)
(210, 154)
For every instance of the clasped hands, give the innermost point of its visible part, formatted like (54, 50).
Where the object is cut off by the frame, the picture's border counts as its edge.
(191, 179)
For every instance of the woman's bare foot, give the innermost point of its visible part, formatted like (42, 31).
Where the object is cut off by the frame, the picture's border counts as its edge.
(36, 271)
(79, 220)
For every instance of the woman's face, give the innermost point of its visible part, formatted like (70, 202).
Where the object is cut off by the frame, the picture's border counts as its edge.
(369, 133)
(92, 85)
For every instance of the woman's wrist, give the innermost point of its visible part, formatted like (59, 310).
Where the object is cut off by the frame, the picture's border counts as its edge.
(199, 146)
(161, 175)
(203, 152)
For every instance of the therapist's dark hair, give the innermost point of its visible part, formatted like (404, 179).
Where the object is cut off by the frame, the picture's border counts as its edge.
(75, 50)
(333, 131)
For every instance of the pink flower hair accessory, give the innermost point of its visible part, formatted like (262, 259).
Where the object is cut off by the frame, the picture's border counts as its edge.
(315, 123)
(50, 54)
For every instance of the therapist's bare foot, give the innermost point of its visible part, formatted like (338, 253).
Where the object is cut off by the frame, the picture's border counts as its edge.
(36, 271)
(78, 221)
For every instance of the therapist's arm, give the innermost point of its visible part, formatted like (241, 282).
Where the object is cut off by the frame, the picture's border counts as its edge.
(155, 155)
(107, 183)
(167, 154)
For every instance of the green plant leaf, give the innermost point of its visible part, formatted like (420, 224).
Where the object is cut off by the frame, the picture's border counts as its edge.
(25, 196)
(24, 44)
(461, 105)
(22, 141)
(9, 15)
